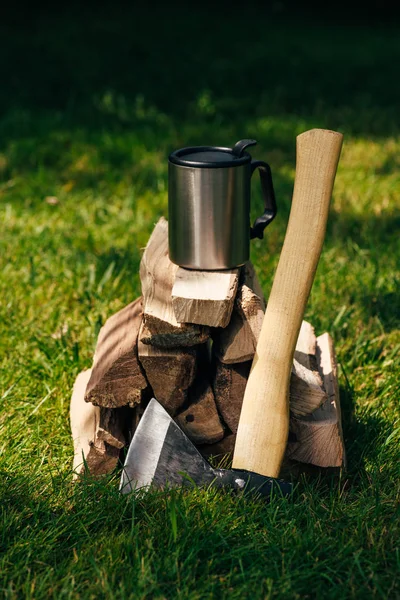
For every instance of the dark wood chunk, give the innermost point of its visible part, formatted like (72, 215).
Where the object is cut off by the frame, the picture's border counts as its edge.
(117, 378)
(97, 433)
(229, 384)
(170, 372)
(200, 420)
(220, 450)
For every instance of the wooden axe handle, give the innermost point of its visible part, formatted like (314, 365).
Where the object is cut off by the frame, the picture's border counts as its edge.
(264, 420)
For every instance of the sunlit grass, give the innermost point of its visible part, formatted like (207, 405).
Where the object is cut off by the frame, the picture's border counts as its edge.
(81, 187)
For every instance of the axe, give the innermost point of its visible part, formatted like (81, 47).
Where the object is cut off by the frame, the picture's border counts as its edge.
(160, 454)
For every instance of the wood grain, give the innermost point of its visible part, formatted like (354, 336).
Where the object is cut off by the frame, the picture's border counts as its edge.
(170, 372)
(200, 419)
(264, 422)
(97, 433)
(157, 275)
(318, 438)
(237, 342)
(117, 378)
(204, 297)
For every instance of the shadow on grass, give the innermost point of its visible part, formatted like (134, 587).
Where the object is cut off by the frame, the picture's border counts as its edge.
(100, 67)
(364, 439)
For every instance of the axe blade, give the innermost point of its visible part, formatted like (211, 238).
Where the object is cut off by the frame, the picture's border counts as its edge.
(161, 455)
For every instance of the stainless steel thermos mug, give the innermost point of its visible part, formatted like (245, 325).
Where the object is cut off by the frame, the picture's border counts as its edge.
(209, 205)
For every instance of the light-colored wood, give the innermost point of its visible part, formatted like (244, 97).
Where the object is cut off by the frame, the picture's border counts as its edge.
(305, 352)
(157, 275)
(204, 297)
(318, 438)
(306, 390)
(238, 341)
(170, 372)
(327, 364)
(97, 433)
(117, 378)
(264, 420)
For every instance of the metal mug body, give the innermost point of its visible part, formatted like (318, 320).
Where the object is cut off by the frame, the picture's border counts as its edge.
(209, 216)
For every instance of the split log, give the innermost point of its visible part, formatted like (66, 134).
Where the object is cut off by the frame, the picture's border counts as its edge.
(204, 297)
(97, 433)
(229, 384)
(306, 348)
(238, 341)
(170, 372)
(117, 378)
(200, 420)
(157, 275)
(306, 390)
(318, 437)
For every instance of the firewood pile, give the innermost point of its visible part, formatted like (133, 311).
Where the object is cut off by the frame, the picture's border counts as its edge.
(189, 341)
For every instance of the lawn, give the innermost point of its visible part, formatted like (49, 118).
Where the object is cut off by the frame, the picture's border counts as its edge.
(95, 100)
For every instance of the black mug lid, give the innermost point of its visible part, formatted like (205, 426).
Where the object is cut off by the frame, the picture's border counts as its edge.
(212, 156)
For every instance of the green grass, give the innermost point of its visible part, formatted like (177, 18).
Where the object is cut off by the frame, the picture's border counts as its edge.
(95, 102)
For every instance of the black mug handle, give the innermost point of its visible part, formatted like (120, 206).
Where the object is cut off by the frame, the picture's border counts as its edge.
(268, 193)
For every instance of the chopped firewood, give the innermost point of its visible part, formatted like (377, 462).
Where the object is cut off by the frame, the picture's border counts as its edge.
(235, 343)
(238, 341)
(170, 372)
(97, 433)
(306, 346)
(204, 297)
(157, 275)
(200, 420)
(117, 378)
(229, 385)
(306, 390)
(230, 382)
(164, 337)
(317, 438)
(110, 427)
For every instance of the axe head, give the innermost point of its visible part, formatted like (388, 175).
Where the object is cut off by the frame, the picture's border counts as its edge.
(161, 455)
